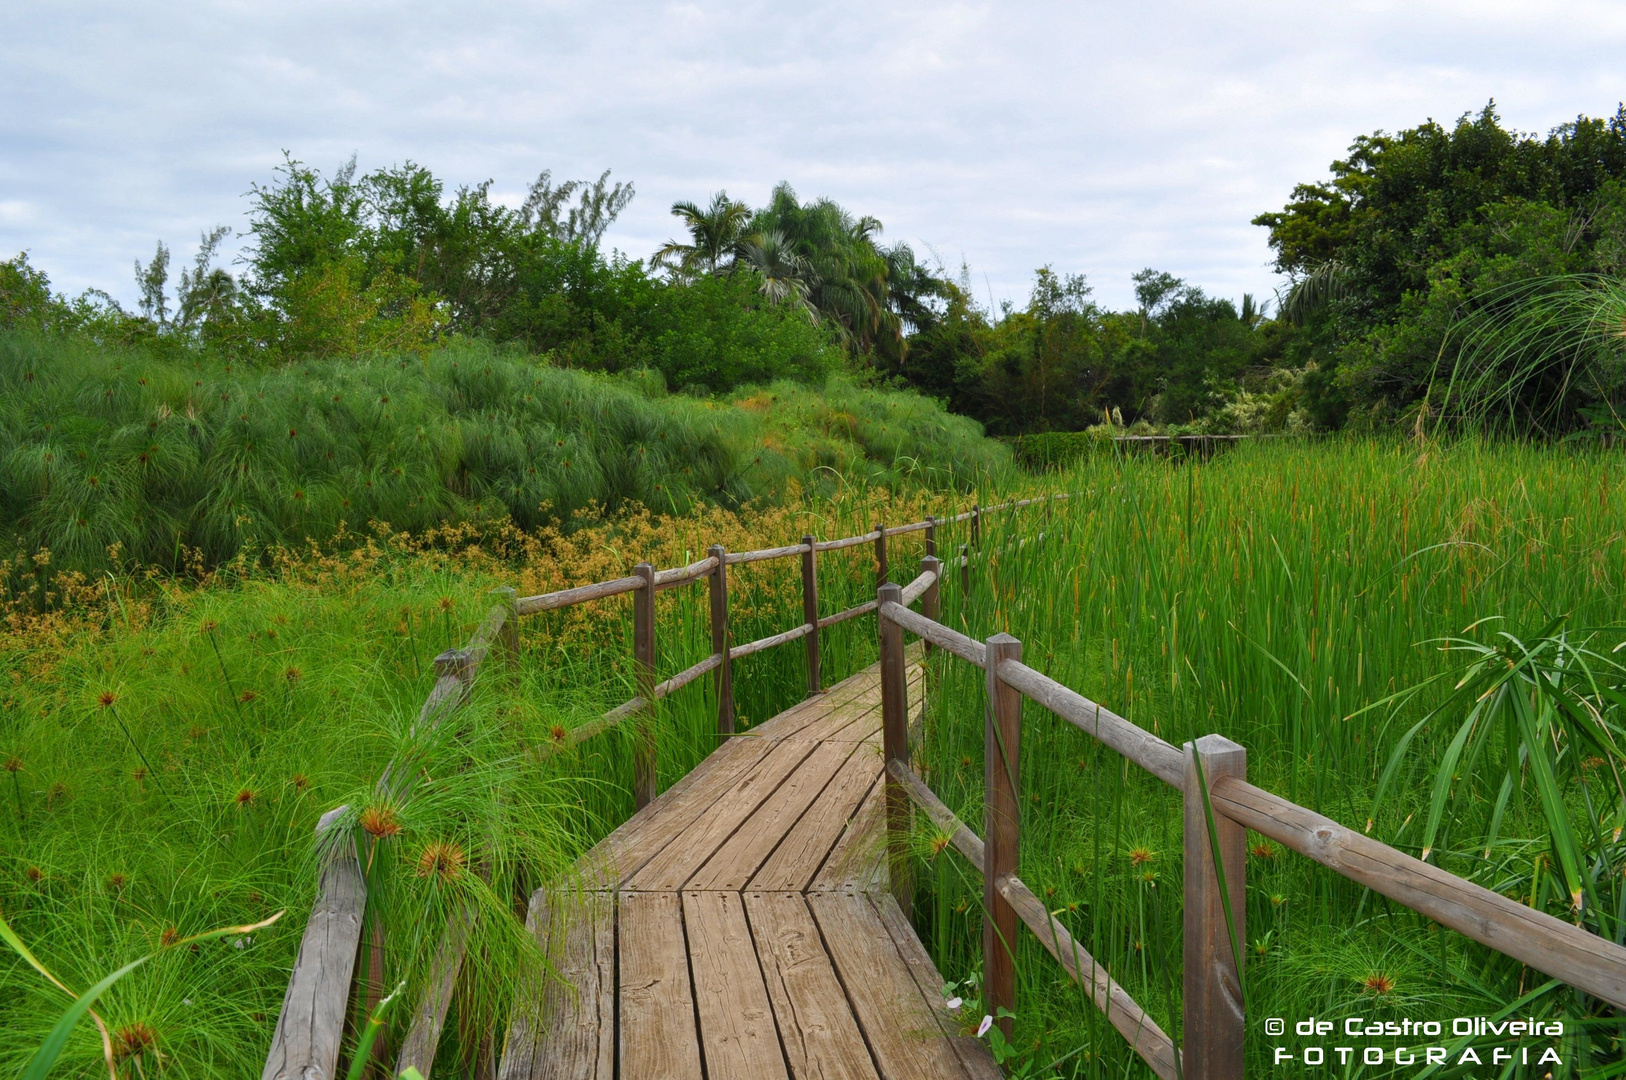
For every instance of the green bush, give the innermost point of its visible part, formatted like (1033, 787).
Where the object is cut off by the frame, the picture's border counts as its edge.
(105, 448)
(1057, 449)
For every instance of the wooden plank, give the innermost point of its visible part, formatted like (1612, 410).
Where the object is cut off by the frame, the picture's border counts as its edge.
(738, 859)
(644, 775)
(657, 1035)
(737, 1033)
(804, 849)
(310, 1027)
(1122, 1011)
(624, 852)
(857, 861)
(895, 741)
(567, 1030)
(529, 605)
(1569, 953)
(760, 644)
(429, 1019)
(903, 1035)
(1151, 753)
(810, 612)
(820, 1035)
(1212, 1000)
(676, 862)
(1002, 813)
(973, 1054)
(723, 686)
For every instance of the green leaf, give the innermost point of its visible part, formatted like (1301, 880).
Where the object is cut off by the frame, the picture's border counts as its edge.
(45, 1057)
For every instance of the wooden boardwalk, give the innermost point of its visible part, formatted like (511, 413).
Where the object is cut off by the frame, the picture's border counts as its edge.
(739, 926)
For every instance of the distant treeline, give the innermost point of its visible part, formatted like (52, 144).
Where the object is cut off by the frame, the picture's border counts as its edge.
(1423, 279)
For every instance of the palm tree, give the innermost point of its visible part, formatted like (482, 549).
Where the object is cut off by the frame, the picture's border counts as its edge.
(715, 234)
(784, 273)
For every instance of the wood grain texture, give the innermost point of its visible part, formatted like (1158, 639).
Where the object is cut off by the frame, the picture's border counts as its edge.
(529, 605)
(741, 855)
(310, 1028)
(657, 1034)
(857, 862)
(810, 612)
(903, 1035)
(822, 1040)
(737, 1034)
(1125, 1014)
(1565, 952)
(717, 596)
(1002, 825)
(429, 1019)
(566, 1030)
(643, 836)
(804, 849)
(674, 865)
(973, 1054)
(895, 743)
(1213, 911)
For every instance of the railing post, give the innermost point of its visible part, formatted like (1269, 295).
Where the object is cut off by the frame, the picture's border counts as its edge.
(643, 647)
(931, 535)
(965, 571)
(895, 745)
(1213, 990)
(810, 613)
(880, 555)
(931, 601)
(976, 525)
(723, 680)
(508, 636)
(1002, 745)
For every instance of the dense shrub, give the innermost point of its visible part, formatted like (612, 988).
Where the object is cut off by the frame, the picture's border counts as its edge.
(104, 449)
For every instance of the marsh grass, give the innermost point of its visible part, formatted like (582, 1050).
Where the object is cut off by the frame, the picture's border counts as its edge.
(1315, 603)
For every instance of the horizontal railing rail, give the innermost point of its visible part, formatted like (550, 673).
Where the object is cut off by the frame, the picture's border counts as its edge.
(310, 1028)
(1210, 773)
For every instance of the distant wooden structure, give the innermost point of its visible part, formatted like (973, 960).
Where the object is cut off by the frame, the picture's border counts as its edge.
(752, 920)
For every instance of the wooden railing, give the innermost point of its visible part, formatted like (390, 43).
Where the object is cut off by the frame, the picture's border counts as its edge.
(1212, 775)
(1210, 772)
(310, 1029)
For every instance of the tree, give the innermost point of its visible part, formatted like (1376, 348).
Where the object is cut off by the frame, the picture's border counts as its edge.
(715, 235)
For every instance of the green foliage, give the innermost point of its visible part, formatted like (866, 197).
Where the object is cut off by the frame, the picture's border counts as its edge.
(1063, 363)
(1281, 594)
(169, 461)
(1420, 230)
(1048, 450)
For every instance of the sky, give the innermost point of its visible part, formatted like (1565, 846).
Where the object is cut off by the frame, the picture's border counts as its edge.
(1096, 138)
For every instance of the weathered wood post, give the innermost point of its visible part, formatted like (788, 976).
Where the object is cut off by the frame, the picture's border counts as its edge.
(310, 1028)
(643, 647)
(723, 680)
(976, 525)
(931, 534)
(965, 571)
(895, 745)
(1213, 937)
(880, 555)
(1002, 745)
(508, 636)
(931, 601)
(810, 613)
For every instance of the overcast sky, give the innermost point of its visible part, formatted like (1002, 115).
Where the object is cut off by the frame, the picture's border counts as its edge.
(1099, 138)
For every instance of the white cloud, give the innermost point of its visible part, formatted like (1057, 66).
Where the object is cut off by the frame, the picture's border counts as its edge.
(1095, 137)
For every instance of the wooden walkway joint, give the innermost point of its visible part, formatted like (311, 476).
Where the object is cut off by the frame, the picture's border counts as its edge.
(739, 926)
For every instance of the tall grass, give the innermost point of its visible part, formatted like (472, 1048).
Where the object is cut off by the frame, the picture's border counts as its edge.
(110, 456)
(1283, 595)
(264, 696)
